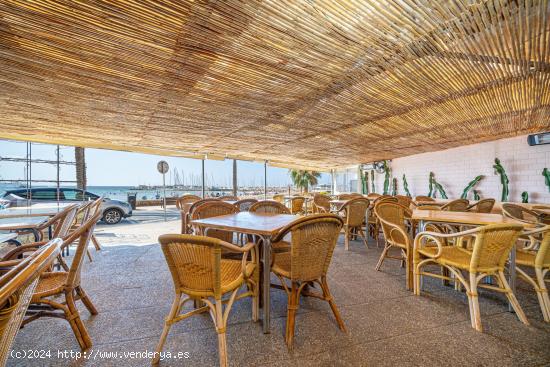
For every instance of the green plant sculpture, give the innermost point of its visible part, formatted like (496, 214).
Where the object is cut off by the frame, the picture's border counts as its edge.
(476, 195)
(546, 174)
(440, 189)
(431, 187)
(470, 186)
(386, 178)
(406, 186)
(372, 188)
(525, 197)
(364, 182)
(503, 179)
(394, 187)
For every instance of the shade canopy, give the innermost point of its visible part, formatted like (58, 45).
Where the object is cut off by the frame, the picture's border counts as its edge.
(314, 84)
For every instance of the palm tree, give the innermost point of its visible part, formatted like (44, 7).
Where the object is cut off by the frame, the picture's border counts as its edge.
(80, 168)
(303, 179)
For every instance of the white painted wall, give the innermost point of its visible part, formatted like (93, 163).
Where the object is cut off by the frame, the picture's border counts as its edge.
(455, 167)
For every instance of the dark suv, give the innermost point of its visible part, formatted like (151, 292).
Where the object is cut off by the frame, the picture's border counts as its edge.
(113, 210)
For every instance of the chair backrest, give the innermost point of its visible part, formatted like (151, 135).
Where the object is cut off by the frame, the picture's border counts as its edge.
(349, 196)
(492, 245)
(229, 198)
(83, 212)
(542, 237)
(64, 226)
(458, 205)
(423, 198)
(313, 239)
(297, 204)
(356, 210)
(385, 199)
(200, 202)
(482, 206)
(519, 212)
(403, 200)
(83, 234)
(392, 217)
(270, 207)
(428, 207)
(214, 209)
(279, 198)
(57, 220)
(16, 289)
(321, 203)
(244, 204)
(373, 195)
(186, 199)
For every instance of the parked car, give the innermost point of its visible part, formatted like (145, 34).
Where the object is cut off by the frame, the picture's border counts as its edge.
(113, 210)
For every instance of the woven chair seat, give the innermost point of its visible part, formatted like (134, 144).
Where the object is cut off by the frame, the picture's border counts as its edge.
(527, 258)
(281, 264)
(50, 283)
(451, 255)
(232, 275)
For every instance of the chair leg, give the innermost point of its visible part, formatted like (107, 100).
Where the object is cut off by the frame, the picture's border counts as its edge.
(96, 243)
(363, 236)
(512, 298)
(80, 331)
(174, 311)
(86, 300)
(293, 302)
(382, 256)
(542, 292)
(328, 296)
(220, 329)
(416, 275)
(474, 302)
(346, 238)
(409, 270)
(89, 255)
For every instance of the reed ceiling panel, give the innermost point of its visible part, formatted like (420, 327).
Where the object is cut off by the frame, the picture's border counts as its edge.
(316, 84)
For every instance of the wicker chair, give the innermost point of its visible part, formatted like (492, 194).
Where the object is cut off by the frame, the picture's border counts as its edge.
(229, 198)
(403, 200)
(67, 284)
(199, 272)
(458, 205)
(214, 209)
(520, 213)
(279, 198)
(492, 245)
(392, 217)
(94, 208)
(244, 204)
(297, 205)
(349, 196)
(482, 206)
(423, 198)
(321, 203)
(186, 215)
(269, 207)
(313, 240)
(186, 199)
(373, 223)
(16, 288)
(373, 196)
(355, 211)
(537, 258)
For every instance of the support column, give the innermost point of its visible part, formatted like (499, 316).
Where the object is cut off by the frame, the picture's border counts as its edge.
(332, 182)
(235, 177)
(203, 180)
(265, 180)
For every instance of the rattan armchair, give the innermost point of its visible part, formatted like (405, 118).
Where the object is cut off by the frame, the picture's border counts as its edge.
(537, 259)
(313, 240)
(458, 205)
(244, 204)
(372, 220)
(482, 206)
(355, 216)
(186, 215)
(392, 217)
(321, 203)
(201, 274)
(297, 205)
(492, 245)
(66, 284)
(349, 196)
(54, 222)
(403, 200)
(229, 198)
(520, 213)
(214, 209)
(423, 198)
(279, 198)
(186, 199)
(17, 285)
(269, 207)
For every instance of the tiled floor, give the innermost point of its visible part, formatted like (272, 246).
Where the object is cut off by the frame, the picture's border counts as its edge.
(387, 325)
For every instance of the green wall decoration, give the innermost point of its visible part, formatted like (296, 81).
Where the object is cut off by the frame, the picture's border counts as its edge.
(476, 195)
(406, 186)
(373, 189)
(546, 174)
(386, 178)
(431, 187)
(364, 182)
(503, 179)
(470, 186)
(441, 190)
(394, 187)
(525, 197)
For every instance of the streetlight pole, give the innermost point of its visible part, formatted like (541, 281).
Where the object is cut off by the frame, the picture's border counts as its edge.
(265, 180)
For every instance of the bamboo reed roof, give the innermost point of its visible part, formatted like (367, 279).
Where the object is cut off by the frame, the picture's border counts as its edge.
(315, 84)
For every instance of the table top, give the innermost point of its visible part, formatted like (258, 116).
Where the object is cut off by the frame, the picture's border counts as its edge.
(461, 217)
(37, 210)
(247, 222)
(4, 237)
(7, 224)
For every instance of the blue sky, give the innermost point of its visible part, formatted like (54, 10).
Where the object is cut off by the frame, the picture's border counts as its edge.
(116, 168)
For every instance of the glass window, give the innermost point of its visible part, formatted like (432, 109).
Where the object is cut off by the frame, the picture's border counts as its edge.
(73, 194)
(44, 195)
(90, 196)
